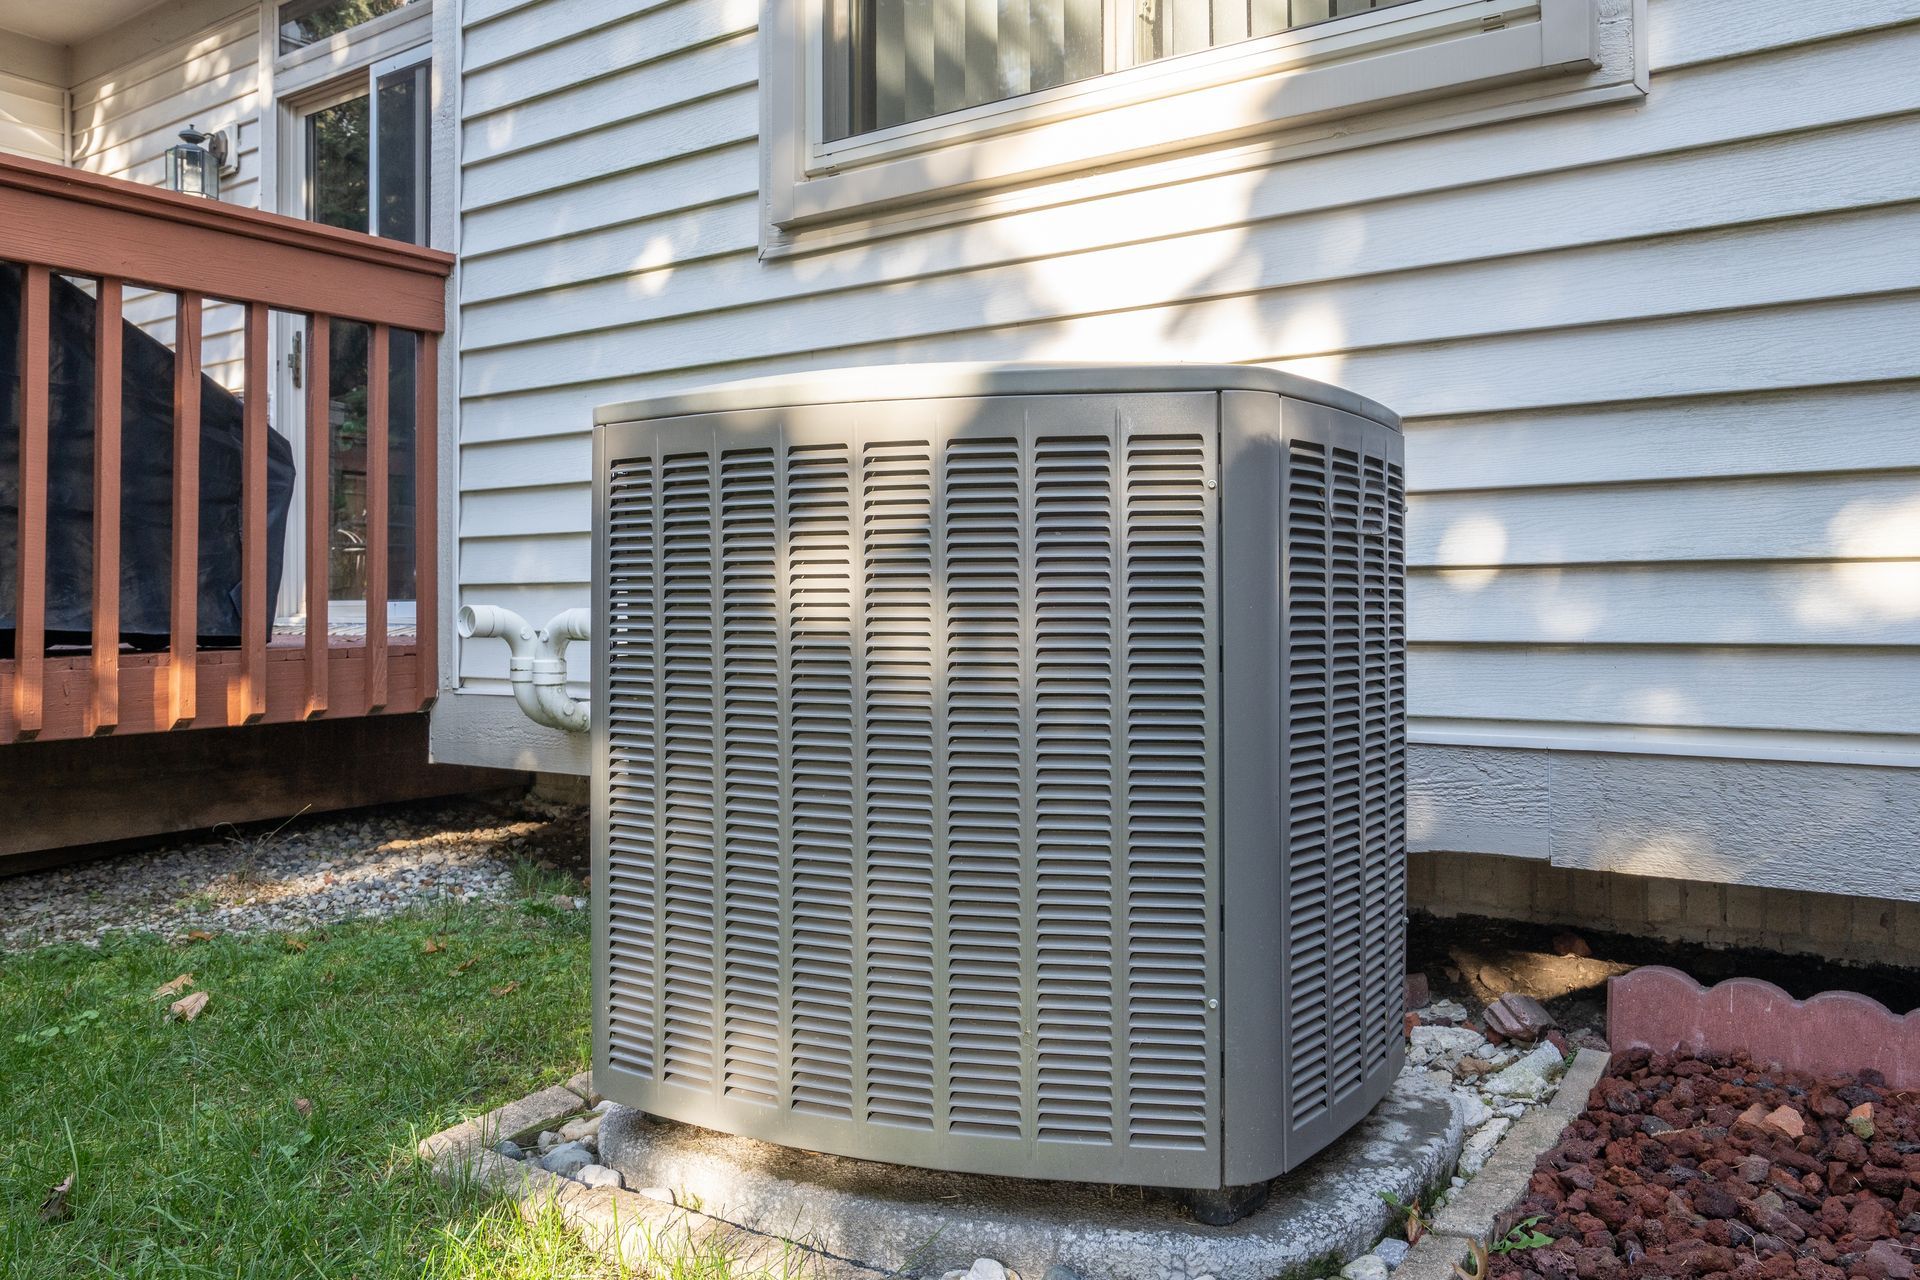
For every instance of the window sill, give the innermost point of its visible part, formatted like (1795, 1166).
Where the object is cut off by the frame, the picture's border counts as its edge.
(1293, 93)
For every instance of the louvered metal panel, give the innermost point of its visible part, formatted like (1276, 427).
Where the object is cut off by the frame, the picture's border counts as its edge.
(913, 837)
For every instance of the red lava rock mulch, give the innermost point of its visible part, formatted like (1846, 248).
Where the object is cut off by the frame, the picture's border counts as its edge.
(1717, 1169)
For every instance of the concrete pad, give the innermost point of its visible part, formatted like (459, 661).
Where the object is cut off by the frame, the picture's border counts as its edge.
(582, 1084)
(531, 1114)
(891, 1218)
(1473, 1210)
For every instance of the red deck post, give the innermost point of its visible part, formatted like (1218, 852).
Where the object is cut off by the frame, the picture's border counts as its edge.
(426, 536)
(30, 581)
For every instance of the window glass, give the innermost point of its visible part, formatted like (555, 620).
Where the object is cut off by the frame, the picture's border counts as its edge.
(302, 22)
(907, 60)
(402, 155)
(339, 151)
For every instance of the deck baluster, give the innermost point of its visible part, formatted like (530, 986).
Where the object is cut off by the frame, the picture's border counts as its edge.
(104, 710)
(183, 643)
(378, 365)
(319, 461)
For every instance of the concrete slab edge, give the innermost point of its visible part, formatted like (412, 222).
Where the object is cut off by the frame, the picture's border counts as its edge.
(534, 1112)
(627, 1228)
(1473, 1213)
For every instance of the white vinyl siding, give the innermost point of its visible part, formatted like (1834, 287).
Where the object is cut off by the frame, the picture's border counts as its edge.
(1659, 361)
(33, 118)
(124, 119)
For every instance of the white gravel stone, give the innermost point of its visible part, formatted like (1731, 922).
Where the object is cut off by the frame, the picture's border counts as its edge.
(1392, 1252)
(1430, 1044)
(1474, 1111)
(1366, 1267)
(312, 871)
(1531, 1078)
(1481, 1144)
(584, 1127)
(986, 1269)
(598, 1175)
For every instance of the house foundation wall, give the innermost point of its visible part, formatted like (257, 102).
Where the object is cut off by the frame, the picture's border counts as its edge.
(1854, 930)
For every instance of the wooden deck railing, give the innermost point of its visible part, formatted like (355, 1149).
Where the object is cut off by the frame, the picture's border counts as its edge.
(55, 220)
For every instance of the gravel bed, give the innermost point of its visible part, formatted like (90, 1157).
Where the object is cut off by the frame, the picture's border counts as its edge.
(1719, 1168)
(307, 871)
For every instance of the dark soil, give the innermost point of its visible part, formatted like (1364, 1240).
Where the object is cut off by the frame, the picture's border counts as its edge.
(1671, 1172)
(1472, 959)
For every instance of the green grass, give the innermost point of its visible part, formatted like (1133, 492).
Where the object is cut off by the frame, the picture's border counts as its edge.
(190, 1152)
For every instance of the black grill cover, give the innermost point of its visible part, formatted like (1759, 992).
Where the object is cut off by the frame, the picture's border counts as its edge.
(146, 484)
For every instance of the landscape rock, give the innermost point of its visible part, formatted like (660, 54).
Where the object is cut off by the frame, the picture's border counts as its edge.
(1886, 1261)
(1519, 1017)
(309, 872)
(510, 1149)
(1531, 1078)
(598, 1175)
(1446, 1011)
(583, 1127)
(986, 1269)
(1418, 991)
(1473, 1156)
(1392, 1252)
(1060, 1271)
(1474, 1111)
(1786, 1120)
(1367, 1266)
(1724, 1169)
(1429, 1042)
(567, 1159)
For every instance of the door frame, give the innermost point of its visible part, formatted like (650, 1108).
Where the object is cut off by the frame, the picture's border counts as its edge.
(321, 75)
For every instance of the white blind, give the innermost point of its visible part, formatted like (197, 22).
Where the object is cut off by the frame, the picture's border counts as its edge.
(911, 59)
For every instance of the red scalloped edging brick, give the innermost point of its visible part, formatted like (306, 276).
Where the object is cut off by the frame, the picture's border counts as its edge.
(1664, 1010)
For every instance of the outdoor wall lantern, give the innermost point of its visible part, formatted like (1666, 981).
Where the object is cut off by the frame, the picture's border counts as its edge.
(193, 168)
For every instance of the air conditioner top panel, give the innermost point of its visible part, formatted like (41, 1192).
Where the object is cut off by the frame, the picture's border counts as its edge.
(943, 381)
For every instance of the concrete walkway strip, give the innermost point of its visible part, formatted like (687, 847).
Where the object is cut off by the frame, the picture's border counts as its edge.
(542, 1110)
(1472, 1213)
(621, 1226)
(635, 1230)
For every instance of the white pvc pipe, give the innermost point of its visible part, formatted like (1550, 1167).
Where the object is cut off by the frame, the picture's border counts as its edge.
(491, 622)
(550, 670)
(537, 667)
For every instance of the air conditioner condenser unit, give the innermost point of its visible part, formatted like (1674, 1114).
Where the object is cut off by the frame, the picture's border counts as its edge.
(1001, 769)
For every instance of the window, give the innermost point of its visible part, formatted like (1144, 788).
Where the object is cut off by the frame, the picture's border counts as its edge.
(878, 112)
(911, 59)
(304, 22)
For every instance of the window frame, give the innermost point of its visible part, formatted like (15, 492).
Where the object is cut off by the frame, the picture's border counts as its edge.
(1240, 90)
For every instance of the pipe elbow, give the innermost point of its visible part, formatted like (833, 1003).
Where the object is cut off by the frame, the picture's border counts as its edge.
(561, 711)
(537, 668)
(487, 621)
(568, 624)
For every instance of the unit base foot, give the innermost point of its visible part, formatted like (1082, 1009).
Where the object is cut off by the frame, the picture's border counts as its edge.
(1226, 1206)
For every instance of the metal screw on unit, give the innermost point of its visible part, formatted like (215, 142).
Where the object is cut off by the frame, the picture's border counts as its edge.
(1212, 1002)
